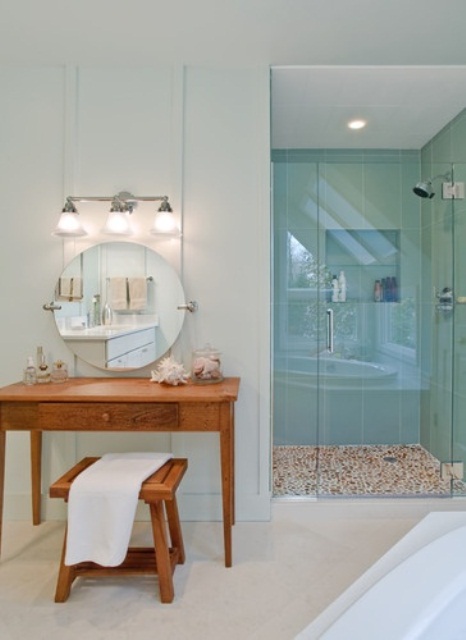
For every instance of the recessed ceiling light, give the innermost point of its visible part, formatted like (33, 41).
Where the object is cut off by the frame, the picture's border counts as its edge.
(357, 124)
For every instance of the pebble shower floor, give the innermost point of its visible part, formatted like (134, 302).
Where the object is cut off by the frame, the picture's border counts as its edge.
(359, 471)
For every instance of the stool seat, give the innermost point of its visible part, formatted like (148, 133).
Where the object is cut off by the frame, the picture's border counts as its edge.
(159, 492)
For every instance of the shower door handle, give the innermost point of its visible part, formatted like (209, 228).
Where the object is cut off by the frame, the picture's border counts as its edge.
(445, 300)
(330, 340)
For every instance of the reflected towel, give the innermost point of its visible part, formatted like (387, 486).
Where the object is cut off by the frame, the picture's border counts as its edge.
(137, 293)
(102, 504)
(70, 288)
(118, 293)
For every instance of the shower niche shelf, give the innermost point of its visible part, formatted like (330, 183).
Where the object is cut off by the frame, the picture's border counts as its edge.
(365, 255)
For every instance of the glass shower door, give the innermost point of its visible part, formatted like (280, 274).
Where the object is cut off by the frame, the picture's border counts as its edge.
(369, 238)
(443, 331)
(458, 436)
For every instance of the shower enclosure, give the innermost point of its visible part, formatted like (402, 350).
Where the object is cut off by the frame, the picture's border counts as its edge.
(369, 317)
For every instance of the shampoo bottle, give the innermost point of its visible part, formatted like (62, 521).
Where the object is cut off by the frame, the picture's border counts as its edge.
(342, 287)
(335, 289)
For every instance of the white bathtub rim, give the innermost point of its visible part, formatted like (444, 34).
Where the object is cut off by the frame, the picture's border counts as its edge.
(433, 527)
(414, 604)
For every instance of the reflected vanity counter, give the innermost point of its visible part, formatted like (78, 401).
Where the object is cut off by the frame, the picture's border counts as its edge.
(114, 346)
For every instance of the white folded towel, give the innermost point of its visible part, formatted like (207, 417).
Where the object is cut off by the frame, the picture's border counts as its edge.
(118, 293)
(102, 504)
(137, 293)
(70, 288)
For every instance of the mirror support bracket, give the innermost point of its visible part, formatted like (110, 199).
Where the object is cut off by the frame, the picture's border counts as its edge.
(51, 306)
(191, 306)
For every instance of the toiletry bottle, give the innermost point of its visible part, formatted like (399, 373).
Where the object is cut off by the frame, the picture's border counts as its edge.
(97, 319)
(390, 291)
(383, 287)
(59, 371)
(43, 373)
(107, 314)
(394, 290)
(342, 287)
(377, 291)
(30, 374)
(335, 289)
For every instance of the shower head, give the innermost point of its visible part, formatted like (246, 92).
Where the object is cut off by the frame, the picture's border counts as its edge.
(424, 189)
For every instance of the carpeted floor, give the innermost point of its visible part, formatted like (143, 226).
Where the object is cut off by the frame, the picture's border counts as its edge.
(399, 470)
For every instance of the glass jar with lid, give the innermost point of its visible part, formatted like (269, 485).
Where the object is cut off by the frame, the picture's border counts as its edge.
(206, 366)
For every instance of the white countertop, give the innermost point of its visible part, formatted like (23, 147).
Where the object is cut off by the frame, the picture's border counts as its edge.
(104, 332)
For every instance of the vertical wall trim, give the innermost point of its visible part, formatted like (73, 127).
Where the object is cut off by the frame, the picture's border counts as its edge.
(178, 148)
(264, 310)
(70, 142)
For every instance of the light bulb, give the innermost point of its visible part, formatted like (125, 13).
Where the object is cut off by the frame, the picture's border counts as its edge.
(118, 224)
(164, 222)
(69, 225)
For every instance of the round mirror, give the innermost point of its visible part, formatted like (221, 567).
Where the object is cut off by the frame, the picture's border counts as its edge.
(118, 306)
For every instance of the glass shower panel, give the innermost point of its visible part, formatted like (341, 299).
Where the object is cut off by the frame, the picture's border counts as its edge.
(458, 451)
(299, 286)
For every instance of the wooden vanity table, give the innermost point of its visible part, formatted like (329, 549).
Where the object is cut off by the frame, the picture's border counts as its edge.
(121, 404)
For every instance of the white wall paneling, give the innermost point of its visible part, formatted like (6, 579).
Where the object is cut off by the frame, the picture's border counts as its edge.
(197, 135)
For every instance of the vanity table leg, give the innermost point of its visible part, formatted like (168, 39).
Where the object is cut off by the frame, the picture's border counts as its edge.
(36, 475)
(228, 476)
(2, 478)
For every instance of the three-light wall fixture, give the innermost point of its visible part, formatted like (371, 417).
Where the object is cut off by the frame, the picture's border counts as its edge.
(118, 221)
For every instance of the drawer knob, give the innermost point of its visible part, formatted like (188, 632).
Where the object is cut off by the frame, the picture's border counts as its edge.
(105, 417)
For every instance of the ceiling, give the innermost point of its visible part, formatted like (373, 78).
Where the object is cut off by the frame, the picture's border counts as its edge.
(404, 106)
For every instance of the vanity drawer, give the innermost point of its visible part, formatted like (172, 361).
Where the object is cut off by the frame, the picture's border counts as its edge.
(75, 416)
(129, 342)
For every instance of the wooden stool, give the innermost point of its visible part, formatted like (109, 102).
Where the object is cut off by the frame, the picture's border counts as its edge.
(158, 491)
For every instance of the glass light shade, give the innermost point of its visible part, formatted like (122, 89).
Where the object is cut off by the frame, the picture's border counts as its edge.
(164, 223)
(118, 224)
(69, 226)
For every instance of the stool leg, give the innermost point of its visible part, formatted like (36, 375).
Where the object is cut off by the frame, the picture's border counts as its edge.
(66, 575)
(162, 554)
(174, 527)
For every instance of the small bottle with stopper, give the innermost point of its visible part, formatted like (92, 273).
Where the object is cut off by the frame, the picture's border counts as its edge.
(43, 372)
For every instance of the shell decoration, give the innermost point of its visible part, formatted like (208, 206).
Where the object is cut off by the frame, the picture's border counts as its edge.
(169, 371)
(207, 368)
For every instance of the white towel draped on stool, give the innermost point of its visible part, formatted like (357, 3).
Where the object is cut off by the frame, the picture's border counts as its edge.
(102, 504)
